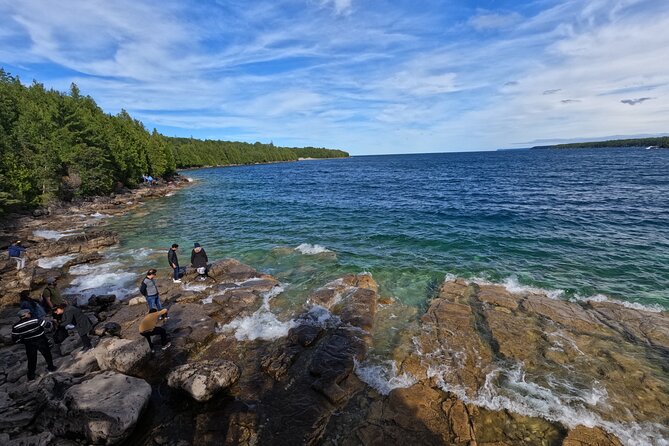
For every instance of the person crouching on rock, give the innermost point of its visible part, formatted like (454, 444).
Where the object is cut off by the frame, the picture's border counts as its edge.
(149, 290)
(29, 330)
(199, 259)
(148, 328)
(28, 303)
(16, 252)
(72, 315)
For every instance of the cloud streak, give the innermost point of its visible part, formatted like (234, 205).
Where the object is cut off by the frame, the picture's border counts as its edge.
(368, 77)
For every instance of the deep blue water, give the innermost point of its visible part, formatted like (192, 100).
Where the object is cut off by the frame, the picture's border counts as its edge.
(584, 221)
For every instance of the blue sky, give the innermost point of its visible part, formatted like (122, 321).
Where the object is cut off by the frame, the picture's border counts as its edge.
(364, 76)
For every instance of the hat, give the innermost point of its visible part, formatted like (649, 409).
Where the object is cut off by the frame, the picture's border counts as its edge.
(197, 245)
(23, 313)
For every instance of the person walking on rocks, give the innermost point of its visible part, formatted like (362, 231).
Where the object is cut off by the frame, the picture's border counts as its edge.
(199, 259)
(72, 315)
(148, 327)
(51, 297)
(173, 260)
(29, 331)
(149, 290)
(16, 252)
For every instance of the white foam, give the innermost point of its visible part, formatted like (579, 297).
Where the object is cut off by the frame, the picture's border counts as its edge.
(54, 262)
(169, 194)
(263, 324)
(383, 376)
(652, 308)
(310, 250)
(196, 287)
(99, 215)
(508, 389)
(51, 235)
(190, 180)
(207, 300)
(102, 278)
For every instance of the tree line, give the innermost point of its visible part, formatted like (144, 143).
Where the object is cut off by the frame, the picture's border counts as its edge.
(58, 146)
(662, 141)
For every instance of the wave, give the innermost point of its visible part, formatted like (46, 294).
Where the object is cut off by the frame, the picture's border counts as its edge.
(310, 250)
(99, 215)
(512, 285)
(54, 262)
(263, 324)
(103, 278)
(518, 395)
(383, 376)
(50, 235)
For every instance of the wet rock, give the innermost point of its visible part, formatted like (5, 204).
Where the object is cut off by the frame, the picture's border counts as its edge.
(112, 329)
(106, 407)
(102, 300)
(205, 378)
(43, 439)
(588, 436)
(122, 355)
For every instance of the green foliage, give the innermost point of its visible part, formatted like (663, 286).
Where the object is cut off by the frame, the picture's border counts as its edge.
(189, 152)
(637, 142)
(55, 145)
(58, 146)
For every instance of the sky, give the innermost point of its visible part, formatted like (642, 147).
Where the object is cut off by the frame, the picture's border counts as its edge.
(369, 77)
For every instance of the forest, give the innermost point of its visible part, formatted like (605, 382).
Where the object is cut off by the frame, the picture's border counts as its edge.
(662, 141)
(58, 146)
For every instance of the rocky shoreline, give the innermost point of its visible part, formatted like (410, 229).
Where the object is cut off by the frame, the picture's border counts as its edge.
(464, 365)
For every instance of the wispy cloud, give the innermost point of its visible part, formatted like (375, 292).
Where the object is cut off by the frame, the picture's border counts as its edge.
(364, 76)
(635, 101)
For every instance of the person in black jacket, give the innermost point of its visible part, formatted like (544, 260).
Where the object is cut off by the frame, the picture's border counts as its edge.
(72, 315)
(29, 330)
(173, 260)
(199, 259)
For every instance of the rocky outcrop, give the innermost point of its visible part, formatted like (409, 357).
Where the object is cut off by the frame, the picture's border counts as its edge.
(107, 406)
(204, 379)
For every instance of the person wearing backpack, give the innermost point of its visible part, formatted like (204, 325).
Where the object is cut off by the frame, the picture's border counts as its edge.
(149, 290)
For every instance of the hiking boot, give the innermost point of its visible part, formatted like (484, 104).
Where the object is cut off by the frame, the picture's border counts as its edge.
(166, 346)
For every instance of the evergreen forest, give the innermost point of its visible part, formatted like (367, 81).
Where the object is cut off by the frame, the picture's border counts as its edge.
(58, 146)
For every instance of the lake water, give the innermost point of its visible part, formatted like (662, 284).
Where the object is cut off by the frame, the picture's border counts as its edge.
(580, 223)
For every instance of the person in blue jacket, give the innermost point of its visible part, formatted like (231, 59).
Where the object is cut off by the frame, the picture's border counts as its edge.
(16, 252)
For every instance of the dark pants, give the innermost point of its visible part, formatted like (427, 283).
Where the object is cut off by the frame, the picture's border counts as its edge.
(156, 331)
(178, 272)
(86, 341)
(32, 345)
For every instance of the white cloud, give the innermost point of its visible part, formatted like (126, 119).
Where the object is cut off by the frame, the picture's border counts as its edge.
(486, 20)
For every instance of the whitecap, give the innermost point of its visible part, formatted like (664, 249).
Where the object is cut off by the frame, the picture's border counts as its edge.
(102, 278)
(263, 324)
(652, 308)
(99, 215)
(310, 250)
(51, 235)
(55, 262)
(383, 376)
(196, 287)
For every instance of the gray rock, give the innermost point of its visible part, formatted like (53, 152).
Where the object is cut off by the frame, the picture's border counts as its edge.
(121, 355)
(107, 407)
(203, 379)
(69, 344)
(43, 439)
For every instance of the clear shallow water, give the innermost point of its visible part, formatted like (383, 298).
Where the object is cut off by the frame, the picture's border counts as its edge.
(587, 222)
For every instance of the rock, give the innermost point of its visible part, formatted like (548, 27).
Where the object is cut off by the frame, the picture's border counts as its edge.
(43, 439)
(102, 300)
(70, 344)
(112, 329)
(137, 300)
(588, 436)
(106, 407)
(203, 379)
(81, 364)
(122, 355)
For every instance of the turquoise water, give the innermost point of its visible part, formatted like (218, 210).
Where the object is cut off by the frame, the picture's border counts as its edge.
(585, 222)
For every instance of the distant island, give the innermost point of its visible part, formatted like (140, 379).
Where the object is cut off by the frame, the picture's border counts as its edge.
(60, 146)
(660, 142)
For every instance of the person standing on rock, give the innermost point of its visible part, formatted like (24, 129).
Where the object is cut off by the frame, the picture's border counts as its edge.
(149, 290)
(51, 297)
(148, 328)
(173, 260)
(72, 315)
(199, 259)
(29, 331)
(16, 252)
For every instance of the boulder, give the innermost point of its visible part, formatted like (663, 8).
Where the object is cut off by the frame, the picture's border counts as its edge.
(122, 355)
(203, 379)
(103, 300)
(106, 407)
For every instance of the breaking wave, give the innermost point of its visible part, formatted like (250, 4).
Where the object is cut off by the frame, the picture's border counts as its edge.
(54, 262)
(383, 376)
(310, 250)
(102, 278)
